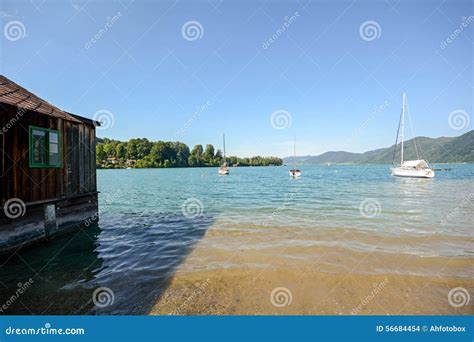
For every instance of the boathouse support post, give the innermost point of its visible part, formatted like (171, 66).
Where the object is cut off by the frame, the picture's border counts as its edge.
(50, 223)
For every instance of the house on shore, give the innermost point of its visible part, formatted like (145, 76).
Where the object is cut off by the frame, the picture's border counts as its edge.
(47, 168)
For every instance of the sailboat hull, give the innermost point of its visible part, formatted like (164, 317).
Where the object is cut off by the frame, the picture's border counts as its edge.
(223, 171)
(412, 173)
(295, 173)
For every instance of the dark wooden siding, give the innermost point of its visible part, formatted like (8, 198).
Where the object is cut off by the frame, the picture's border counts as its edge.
(77, 174)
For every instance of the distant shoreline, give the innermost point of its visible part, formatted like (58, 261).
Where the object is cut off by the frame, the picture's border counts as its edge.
(247, 166)
(143, 153)
(458, 149)
(183, 167)
(351, 164)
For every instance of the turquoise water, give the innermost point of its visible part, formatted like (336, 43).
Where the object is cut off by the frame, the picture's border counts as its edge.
(152, 219)
(324, 197)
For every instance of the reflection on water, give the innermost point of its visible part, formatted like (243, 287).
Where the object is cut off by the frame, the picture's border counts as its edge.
(133, 255)
(144, 237)
(51, 266)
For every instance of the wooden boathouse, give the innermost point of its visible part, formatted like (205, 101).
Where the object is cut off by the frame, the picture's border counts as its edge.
(47, 168)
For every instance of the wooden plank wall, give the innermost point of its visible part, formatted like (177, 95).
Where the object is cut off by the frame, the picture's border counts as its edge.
(77, 174)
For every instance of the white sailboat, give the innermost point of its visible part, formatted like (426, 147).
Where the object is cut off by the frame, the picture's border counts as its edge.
(418, 168)
(224, 169)
(295, 173)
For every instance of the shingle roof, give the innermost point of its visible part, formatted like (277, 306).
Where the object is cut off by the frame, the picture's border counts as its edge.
(13, 94)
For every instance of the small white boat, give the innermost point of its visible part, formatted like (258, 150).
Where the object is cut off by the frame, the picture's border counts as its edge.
(223, 169)
(295, 173)
(410, 168)
(413, 168)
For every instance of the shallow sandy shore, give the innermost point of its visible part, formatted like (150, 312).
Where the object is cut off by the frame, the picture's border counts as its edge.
(306, 278)
(241, 292)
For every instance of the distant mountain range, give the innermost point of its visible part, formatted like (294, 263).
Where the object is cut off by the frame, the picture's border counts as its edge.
(434, 150)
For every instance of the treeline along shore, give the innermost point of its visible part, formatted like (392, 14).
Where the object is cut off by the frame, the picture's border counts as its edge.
(142, 153)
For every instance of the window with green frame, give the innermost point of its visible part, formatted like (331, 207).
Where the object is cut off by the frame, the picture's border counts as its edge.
(45, 147)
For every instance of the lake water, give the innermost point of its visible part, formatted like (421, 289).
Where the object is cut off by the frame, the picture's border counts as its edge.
(152, 219)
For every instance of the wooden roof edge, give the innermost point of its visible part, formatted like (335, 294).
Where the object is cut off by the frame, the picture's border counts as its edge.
(91, 122)
(61, 113)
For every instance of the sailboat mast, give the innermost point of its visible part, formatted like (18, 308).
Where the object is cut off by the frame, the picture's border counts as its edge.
(294, 146)
(223, 139)
(402, 128)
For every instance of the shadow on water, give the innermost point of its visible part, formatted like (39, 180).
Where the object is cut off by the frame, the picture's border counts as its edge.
(125, 265)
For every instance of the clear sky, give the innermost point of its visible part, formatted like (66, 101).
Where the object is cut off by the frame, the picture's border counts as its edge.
(336, 68)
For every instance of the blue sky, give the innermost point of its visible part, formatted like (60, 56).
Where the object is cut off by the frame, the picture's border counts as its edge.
(340, 85)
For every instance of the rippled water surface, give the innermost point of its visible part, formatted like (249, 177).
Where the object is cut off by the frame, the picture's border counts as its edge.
(152, 219)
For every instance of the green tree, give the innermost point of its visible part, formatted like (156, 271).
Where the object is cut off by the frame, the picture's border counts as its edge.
(100, 153)
(143, 148)
(197, 151)
(109, 150)
(169, 154)
(194, 160)
(120, 151)
(132, 149)
(209, 154)
(218, 155)
(157, 153)
(182, 153)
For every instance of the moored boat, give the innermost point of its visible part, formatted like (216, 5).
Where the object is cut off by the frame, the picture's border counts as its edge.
(418, 168)
(413, 168)
(295, 173)
(223, 169)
